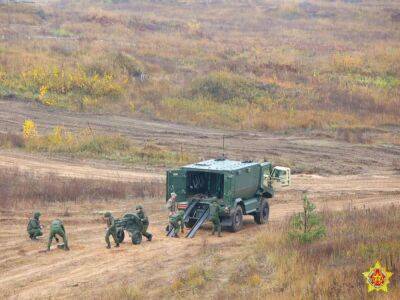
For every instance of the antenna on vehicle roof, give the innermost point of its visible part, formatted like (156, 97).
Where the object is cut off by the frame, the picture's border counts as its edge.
(223, 145)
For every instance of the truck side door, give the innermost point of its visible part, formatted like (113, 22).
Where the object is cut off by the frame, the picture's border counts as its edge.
(176, 183)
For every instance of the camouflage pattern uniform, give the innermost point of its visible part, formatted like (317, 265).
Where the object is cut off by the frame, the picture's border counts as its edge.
(34, 228)
(215, 211)
(176, 221)
(111, 230)
(171, 204)
(57, 228)
(145, 221)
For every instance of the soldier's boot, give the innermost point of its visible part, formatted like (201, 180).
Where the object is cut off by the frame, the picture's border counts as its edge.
(57, 240)
(116, 245)
(108, 246)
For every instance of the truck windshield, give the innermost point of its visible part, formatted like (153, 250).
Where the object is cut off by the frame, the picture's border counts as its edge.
(204, 184)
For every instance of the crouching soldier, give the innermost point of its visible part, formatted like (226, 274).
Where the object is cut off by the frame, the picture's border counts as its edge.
(215, 212)
(176, 222)
(57, 228)
(111, 230)
(34, 227)
(145, 221)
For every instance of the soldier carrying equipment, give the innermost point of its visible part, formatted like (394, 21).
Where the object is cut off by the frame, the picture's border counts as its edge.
(176, 223)
(111, 230)
(145, 221)
(34, 227)
(215, 212)
(57, 228)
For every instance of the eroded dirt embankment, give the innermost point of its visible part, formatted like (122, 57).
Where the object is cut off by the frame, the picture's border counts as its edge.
(306, 152)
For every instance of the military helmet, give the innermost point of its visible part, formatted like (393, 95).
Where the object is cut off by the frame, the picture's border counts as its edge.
(107, 214)
(37, 214)
(173, 194)
(139, 207)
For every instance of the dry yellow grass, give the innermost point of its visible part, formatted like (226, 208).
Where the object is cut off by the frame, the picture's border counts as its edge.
(291, 64)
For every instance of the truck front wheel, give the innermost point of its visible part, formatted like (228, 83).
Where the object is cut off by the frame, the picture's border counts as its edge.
(261, 217)
(237, 219)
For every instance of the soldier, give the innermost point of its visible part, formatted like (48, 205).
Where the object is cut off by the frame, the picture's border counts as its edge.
(145, 221)
(171, 204)
(111, 230)
(176, 221)
(34, 227)
(215, 212)
(57, 228)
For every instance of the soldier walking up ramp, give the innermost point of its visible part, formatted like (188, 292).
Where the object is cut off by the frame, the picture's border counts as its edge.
(199, 222)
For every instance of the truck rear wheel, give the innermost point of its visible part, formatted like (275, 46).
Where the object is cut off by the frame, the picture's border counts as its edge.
(237, 219)
(261, 217)
(120, 235)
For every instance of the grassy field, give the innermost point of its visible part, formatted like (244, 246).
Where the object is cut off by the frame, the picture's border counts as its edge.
(88, 144)
(271, 266)
(268, 65)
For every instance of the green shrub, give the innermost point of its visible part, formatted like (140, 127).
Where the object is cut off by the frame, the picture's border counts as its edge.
(307, 225)
(223, 87)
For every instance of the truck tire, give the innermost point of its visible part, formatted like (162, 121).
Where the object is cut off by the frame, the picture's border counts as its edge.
(261, 217)
(237, 219)
(136, 238)
(120, 235)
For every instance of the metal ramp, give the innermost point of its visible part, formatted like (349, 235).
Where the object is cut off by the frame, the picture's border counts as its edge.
(199, 222)
(170, 232)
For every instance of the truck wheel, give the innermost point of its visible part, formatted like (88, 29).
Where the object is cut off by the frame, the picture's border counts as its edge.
(261, 217)
(137, 238)
(120, 235)
(237, 219)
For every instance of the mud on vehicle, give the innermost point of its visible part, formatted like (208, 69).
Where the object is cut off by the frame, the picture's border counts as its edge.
(240, 187)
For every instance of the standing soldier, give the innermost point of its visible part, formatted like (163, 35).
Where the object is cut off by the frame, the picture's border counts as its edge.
(215, 211)
(145, 221)
(171, 204)
(34, 227)
(176, 221)
(111, 230)
(57, 228)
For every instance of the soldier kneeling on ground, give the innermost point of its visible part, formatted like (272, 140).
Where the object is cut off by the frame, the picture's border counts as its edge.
(145, 221)
(34, 227)
(57, 228)
(176, 222)
(111, 230)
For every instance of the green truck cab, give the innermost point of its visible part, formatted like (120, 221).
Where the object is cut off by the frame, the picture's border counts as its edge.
(240, 187)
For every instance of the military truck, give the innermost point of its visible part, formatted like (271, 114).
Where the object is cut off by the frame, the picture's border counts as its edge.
(131, 223)
(240, 187)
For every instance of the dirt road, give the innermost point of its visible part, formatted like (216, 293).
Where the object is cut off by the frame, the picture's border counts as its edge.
(89, 267)
(311, 152)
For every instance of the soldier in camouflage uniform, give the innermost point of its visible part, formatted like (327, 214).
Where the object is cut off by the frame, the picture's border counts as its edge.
(57, 228)
(34, 227)
(145, 221)
(215, 212)
(111, 230)
(176, 222)
(171, 204)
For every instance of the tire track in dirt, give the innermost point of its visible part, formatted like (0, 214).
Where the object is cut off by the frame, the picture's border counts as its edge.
(89, 266)
(303, 150)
